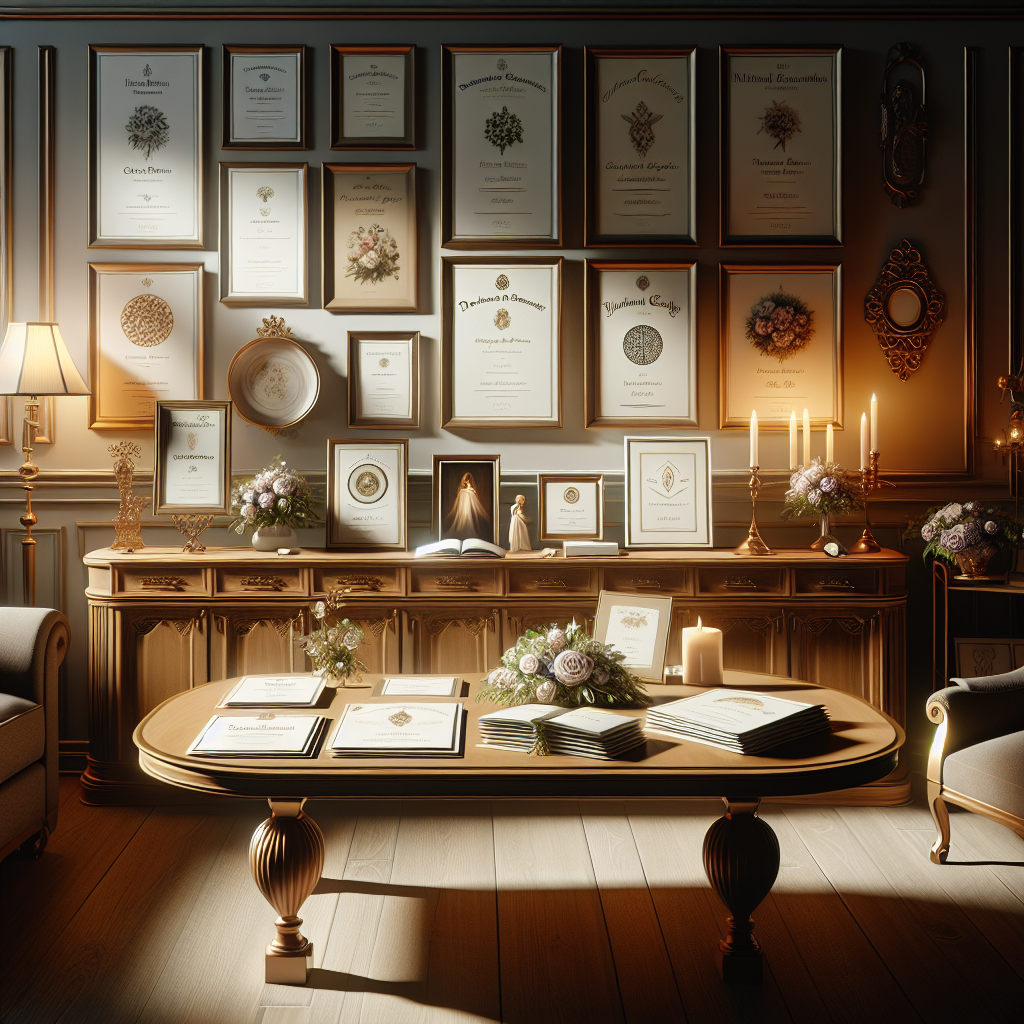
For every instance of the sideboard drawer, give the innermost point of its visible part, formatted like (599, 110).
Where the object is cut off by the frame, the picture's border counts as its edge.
(836, 581)
(160, 581)
(741, 580)
(638, 580)
(537, 580)
(235, 580)
(459, 580)
(375, 581)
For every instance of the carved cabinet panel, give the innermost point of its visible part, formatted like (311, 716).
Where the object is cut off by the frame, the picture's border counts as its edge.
(255, 639)
(516, 621)
(457, 640)
(837, 648)
(381, 650)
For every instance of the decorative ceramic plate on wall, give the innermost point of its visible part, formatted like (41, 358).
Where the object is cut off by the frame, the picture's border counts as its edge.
(273, 382)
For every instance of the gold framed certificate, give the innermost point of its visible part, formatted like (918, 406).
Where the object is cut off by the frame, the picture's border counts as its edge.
(145, 340)
(263, 97)
(571, 506)
(501, 147)
(781, 138)
(367, 494)
(640, 351)
(373, 97)
(641, 144)
(192, 457)
(384, 379)
(501, 342)
(781, 347)
(145, 136)
(638, 626)
(668, 492)
(370, 238)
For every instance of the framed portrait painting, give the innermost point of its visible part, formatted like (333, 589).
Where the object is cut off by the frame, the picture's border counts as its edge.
(373, 97)
(263, 97)
(367, 494)
(465, 500)
(781, 344)
(192, 457)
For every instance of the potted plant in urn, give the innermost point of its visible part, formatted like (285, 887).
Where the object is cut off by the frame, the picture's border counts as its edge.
(967, 535)
(273, 504)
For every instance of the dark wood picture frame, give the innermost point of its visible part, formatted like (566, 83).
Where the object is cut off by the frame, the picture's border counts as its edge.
(408, 138)
(443, 491)
(262, 50)
(411, 422)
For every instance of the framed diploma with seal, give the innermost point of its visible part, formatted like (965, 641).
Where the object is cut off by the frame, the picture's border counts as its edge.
(668, 492)
(641, 142)
(370, 238)
(145, 340)
(373, 97)
(781, 139)
(637, 626)
(263, 234)
(571, 506)
(146, 147)
(384, 379)
(781, 345)
(367, 494)
(192, 457)
(640, 352)
(264, 97)
(501, 342)
(501, 147)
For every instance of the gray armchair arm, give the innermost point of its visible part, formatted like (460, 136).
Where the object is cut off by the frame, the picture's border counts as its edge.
(1004, 681)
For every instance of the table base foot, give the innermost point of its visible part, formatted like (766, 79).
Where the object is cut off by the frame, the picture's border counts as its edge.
(291, 968)
(739, 969)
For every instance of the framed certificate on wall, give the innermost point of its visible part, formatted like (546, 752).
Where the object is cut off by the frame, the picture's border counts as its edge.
(384, 379)
(501, 147)
(192, 457)
(640, 352)
(668, 492)
(367, 494)
(145, 340)
(501, 342)
(571, 506)
(263, 234)
(370, 238)
(373, 97)
(146, 147)
(264, 97)
(781, 138)
(640, 147)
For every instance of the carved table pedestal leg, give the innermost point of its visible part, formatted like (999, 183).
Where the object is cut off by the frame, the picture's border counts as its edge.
(286, 856)
(741, 859)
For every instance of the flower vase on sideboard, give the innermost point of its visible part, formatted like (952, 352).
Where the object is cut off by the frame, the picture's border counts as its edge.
(270, 538)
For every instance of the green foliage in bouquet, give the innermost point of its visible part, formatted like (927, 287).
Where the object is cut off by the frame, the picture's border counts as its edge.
(275, 497)
(564, 667)
(948, 530)
(822, 489)
(332, 645)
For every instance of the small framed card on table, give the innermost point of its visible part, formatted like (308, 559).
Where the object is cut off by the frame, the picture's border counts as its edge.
(264, 97)
(192, 457)
(637, 626)
(367, 494)
(571, 506)
(384, 379)
(373, 97)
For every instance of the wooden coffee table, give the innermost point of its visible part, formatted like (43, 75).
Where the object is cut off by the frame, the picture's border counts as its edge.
(741, 852)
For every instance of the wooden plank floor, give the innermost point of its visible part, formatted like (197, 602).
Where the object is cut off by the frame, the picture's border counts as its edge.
(546, 912)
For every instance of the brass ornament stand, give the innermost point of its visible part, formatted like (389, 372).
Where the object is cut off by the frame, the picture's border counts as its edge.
(869, 483)
(191, 526)
(127, 525)
(28, 471)
(753, 545)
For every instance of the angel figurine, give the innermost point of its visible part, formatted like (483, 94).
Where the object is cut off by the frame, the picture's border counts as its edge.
(518, 534)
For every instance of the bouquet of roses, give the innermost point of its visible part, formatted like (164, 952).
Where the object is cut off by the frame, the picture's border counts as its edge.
(275, 497)
(822, 489)
(950, 530)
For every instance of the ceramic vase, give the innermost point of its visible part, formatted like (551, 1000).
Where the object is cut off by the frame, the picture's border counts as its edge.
(270, 538)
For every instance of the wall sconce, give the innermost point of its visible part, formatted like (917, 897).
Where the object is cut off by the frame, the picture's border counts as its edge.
(1012, 441)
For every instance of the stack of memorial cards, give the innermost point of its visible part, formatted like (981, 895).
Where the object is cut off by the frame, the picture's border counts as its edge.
(399, 730)
(285, 691)
(581, 732)
(514, 728)
(263, 736)
(739, 720)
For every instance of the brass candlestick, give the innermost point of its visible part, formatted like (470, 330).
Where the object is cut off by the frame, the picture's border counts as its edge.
(753, 545)
(869, 483)
(191, 526)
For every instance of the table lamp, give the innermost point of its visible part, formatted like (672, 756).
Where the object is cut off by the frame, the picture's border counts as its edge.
(35, 363)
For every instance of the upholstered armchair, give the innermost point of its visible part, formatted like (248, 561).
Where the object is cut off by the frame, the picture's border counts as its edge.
(33, 643)
(977, 756)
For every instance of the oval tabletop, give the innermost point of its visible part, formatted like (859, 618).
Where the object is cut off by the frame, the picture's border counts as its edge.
(863, 748)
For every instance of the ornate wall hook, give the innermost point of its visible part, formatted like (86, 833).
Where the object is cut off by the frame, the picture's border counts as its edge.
(904, 128)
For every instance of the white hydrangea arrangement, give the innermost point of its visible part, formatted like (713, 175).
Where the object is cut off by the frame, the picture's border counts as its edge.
(822, 489)
(277, 496)
(952, 529)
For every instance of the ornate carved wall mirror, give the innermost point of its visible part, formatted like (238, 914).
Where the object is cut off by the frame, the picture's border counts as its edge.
(904, 128)
(904, 308)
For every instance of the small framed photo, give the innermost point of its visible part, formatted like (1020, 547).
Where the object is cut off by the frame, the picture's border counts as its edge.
(985, 656)
(638, 627)
(501, 342)
(264, 97)
(384, 379)
(192, 457)
(465, 500)
(640, 348)
(370, 238)
(263, 234)
(367, 495)
(781, 137)
(668, 492)
(571, 506)
(781, 345)
(373, 97)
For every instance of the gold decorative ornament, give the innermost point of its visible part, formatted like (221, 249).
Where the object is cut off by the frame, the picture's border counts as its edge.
(265, 192)
(501, 283)
(502, 319)
(753, 545)
(127, 527)
(191, 526)
(147, 321)
(273, 327)
(904, 128)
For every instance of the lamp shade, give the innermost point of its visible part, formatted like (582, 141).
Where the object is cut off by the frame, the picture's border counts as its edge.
(35, 361)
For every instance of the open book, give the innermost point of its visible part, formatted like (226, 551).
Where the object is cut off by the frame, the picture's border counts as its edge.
(473, 547)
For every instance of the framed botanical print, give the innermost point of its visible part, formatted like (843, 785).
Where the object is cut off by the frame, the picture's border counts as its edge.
(571, 506)
(384, 379)
(145, 340)
(192, 457)
(145, 147)
(501, 349)
(465, 498)
(264, 97)
(501, 147)
(640, 352)
(781, 344)
(668, 492)
(367, 494)
(373, 97)
(263, 234)
(638, 626)
(370, 238)
(985, 656)
(781, 138)
(641, 144)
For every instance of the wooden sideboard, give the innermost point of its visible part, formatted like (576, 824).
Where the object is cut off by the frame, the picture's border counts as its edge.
(161, 621)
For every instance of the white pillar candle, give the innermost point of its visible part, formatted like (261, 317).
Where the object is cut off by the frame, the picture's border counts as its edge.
(874, 424)
(753, 440)
(702, 655)
(829, 441)
(792, 439)
(807, 438)
(864, 440)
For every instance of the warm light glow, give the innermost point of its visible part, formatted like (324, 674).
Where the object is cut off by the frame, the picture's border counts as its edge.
(699, 626)
(34, 361)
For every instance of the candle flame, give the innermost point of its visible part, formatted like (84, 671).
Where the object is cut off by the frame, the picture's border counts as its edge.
(699, 626)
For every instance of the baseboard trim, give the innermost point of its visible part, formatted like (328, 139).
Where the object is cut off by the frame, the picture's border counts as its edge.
(72, 758)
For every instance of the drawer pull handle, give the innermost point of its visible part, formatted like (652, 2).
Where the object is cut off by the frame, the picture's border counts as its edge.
(740, 583)
(353, 583)
(549, 583)
(835, 583)
(643, 584)
(263, 583)
(163, 583)
(456, 582)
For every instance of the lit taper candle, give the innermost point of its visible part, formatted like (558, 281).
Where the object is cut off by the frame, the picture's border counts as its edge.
(753, 440)
(874, 424)
(807, 438)
(792, 440)
(863, 440)
(829, 443)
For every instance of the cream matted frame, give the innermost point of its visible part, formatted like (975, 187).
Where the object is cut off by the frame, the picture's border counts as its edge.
(654, 670)
(161, 431)
(571, 481)
(360, 417)
(185, 332)
(339, 140)
(228, 53)
(336, 541)
(445, 468)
